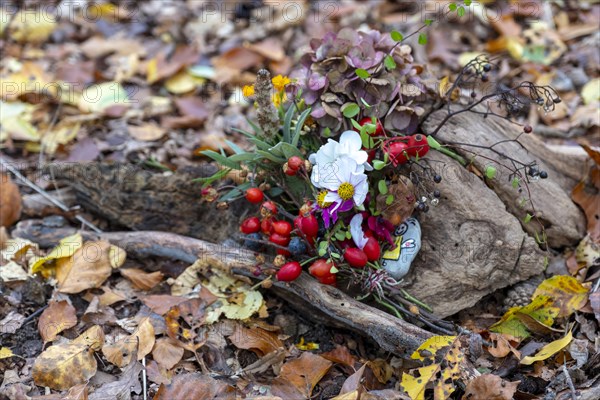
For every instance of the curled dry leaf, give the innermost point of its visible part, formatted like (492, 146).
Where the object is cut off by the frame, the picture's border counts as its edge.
(549, 350)
(302, 374)
(88, 268)
(185, 324)
(140, 342)
(10, 201)
(502, 346)
(490, 387)
(59, 316)
(258, 340)
(68, 364)
(142, 279)
(167, 353)
(567, 294)
(65, 249)
(403, 205)
(12, 272)
(122, 388)
(161, 303)
(340, 355)
(195, 386)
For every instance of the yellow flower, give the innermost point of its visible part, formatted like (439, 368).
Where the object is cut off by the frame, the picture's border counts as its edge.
(280, 81)
(248, 90)
(279, 98)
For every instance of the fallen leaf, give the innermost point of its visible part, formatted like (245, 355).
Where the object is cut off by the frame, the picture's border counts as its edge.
(100, 97)
(16, 248)
(161, 303)
(77, 392)
(567, 294)
(142, 279)
(540, 308)
(549, 350)
(121, 389)
(165, 65)
(5, 352)
(193, 112)
(12, 272)
(167, 353)
(490, 387)
(65, 249)
(140, 342)
(270, 48)
(238, 59)
(32, 26)
(353, 382)
(59, 316)
(87, 268)
(11, 323)
(587, 254)
(195, 386)
(182, 82)
(340, 355)
(10, 201)
(185, 324)
(67, 364)
(260, 341)
(302, 373)
(147, 132)
(595, 303)
(590, 93)
(578, 349)
(381, 369)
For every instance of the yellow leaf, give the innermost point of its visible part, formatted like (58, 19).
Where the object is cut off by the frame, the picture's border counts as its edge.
(33, 26)
(591, 91)
(432, 345)
(87, 268)
(16, 248)
(15, 121)
(117, 256)
(97, 98)
(540, 309)
(63, 133)
(5, 352)
(415, 387)
(147, 132)
(152, 71)
(353, 395)
(66, 248)
(567, 294)
(182, 82)
(549, 350)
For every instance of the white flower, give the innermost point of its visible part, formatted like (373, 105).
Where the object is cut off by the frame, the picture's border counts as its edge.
(360, 240)
(349, 146)
(345, 183)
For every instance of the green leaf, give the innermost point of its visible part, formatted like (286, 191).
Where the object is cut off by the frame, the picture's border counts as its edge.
(383, 189)
(275, 191)
(334, 270)
(452, 7)
(527, 218)
(396, 36)
(467, 3)
(350, 110)
(515, 183)
(362, 73)
(365, 103)
(340, 235)
(221, 159)
(428, 22)
(389, 62)
(389, 200)
(269, 156)
(236, 192)
(422, 39)
(236, 149)
(366, 139)
(348, 235)
(216, 176)
(286, 150)
(490, 172)
(434, 144)
(242, 157)
(299, 126)
(378, 164)
(355, 124)
(336, 255)
(287, 124)
(322, 248)
(461, 11)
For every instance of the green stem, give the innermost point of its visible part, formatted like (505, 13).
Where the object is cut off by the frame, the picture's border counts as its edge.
(416, 301)
(388, 306)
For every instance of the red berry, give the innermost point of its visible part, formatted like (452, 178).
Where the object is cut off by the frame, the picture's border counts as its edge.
(398, 153)
(290, 172)
(268, 208)
(372, 249)
(320, 268)
(283, 228)
(378, 126)
(266, 226)
(356, 257)
(254, 195)
(289, 271)
(295, 163)
(250, 225)
(328, 280)
(369, 233)
(279, 239)
(284, 252)
(417, 145)
(308, 225)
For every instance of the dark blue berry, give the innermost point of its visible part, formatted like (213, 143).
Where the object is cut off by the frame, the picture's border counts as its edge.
(297, 246)
(543, 174)
(251, 243)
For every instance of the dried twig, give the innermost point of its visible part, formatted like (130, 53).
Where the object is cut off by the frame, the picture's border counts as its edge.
(267, 113)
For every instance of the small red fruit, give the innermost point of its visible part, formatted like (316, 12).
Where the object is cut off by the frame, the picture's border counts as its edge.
(328, 280)
(417, 145)
(283, 252)
(283, 228)
(268, 209)
(250, 225)
(372, 249)
(279, 239)
(398, 153)
(254, 195)
(289, 272)
(288, 170)
(295, 163)
(320, 268)
(266, 226)
(378, 126)
(308, 225)
(355, 257)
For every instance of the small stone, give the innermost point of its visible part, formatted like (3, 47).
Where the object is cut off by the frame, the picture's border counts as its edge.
(407, 239)
(562, 82)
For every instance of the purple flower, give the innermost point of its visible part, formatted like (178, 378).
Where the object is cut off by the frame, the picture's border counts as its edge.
(382, 228)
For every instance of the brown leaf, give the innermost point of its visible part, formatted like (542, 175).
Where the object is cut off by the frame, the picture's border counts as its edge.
(403, 204)
(166, 65)
(302, 374)
(340, 355)
(167, 353)
(88, 268)
(10, 201)
(139, 342)
(490, 387)
(238, 58)
(506, 25)
(193, 113)
(185, 324)
(142, 279)
(161, 303)
(121, 389)
(195, 386)
(353, 382)
(260, 341)
(381, 369)
(59, 315)
(595, 303)
(501, 345)
(270, 48)
(146, 132)
(68, 364)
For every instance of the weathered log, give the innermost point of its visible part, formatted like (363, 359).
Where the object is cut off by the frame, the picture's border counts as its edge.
(332, 305)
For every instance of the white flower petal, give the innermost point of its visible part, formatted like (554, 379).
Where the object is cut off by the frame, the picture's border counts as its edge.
(356, 231)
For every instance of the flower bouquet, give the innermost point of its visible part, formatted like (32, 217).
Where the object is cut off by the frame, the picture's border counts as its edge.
(338, 167)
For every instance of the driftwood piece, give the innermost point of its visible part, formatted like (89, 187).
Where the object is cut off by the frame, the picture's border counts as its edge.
(564, 222)
(332, 305)
(36, 205)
